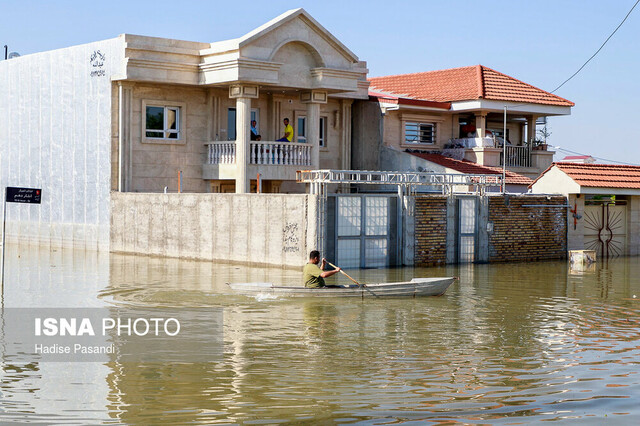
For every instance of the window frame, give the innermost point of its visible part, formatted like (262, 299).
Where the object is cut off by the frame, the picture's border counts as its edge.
(411, 117)
(419, 131)
(322, 138)
(181, 111)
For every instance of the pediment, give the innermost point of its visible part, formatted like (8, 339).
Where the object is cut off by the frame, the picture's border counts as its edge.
(298, 28)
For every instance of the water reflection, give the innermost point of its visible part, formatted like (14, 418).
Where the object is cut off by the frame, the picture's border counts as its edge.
(513, 340)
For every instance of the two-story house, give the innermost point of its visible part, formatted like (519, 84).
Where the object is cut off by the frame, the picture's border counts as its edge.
(458, 113)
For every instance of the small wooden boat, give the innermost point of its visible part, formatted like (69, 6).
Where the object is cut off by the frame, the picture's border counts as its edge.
(417, 287)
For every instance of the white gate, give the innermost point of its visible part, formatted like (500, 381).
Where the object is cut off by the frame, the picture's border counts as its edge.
(467, 212)
(365, 230)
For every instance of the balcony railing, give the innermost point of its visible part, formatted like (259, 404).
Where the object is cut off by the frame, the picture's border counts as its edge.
(517, 156)
(267, 153)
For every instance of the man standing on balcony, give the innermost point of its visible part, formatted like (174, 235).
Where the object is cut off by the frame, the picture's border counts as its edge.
(255, 136)
(288, 132)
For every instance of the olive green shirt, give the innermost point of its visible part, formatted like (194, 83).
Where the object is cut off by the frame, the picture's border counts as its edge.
(311, 276)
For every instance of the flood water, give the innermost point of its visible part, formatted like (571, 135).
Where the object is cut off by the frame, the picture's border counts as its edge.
(513, 343)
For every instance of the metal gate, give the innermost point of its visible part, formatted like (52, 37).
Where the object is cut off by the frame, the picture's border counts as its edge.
(605, 228)
(362, 230)
(467, 226)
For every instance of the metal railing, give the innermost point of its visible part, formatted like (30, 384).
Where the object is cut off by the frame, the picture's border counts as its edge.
(267, 153)
(516, 156)
(448, 182)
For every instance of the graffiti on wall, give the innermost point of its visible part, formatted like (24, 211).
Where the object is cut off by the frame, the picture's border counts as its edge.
(290, 239)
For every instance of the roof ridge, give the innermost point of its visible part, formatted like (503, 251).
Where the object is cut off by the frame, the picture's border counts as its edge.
(594, 165)
(481, 85)
(529, 85)
(423, 72)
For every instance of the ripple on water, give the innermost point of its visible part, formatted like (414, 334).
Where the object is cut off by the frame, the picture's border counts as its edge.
(506, 344)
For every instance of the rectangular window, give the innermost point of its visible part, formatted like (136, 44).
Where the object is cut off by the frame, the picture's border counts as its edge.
(323, 130)
(419, 133)
(162, 122)
(301, 130)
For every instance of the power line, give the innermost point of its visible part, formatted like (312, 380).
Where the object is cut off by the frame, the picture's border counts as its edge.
(599, 49)
(588, 60)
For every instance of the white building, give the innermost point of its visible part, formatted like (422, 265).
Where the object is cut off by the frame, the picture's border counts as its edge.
(141, 114)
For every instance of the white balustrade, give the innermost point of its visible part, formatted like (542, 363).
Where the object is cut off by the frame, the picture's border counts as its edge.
(267, 153)
(221, 152)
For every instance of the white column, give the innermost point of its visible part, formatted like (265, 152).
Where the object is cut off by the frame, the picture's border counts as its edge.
(243, 94)
(313, 133)
(243, 127)
(313, 99)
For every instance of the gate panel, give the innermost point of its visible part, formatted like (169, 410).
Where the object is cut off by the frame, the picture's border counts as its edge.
(605, 229)
(363, 231)
(467, 212)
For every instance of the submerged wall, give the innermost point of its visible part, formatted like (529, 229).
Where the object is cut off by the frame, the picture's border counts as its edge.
(509, 228)
(55, 130)
(269, 229)
(523, 230)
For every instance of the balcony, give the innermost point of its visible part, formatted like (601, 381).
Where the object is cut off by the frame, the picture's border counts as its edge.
(273, 160)
(488, 151)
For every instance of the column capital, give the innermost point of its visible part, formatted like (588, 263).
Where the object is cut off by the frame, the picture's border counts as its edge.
(314, 97)
(244, 91)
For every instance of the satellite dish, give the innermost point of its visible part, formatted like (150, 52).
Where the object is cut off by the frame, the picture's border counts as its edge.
(13, 55)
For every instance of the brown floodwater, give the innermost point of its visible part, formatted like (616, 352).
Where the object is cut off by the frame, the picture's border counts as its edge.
(512, 343)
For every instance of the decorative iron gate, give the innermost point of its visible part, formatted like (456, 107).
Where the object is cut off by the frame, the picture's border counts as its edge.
(605, 228)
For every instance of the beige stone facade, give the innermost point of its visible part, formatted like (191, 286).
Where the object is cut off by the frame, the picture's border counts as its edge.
(200, 99)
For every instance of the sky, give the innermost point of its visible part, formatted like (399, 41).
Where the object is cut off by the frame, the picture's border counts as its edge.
(541, 42)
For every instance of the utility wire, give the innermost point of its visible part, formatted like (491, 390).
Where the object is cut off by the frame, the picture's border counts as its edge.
(599, 49)
(597, 158)
(588, 60)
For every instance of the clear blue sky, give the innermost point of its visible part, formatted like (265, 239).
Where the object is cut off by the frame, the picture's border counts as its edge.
(540, 42)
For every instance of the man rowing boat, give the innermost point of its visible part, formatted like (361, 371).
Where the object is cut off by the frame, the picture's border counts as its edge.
(313, 275)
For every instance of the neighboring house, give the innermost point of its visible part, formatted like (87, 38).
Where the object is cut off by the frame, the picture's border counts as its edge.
(586, 159)
(458, 112)
(515, 183)
(605, 205)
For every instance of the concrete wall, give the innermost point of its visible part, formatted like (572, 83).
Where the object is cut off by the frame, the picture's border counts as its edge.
(274, 229)
(367, 137)
(55, 130)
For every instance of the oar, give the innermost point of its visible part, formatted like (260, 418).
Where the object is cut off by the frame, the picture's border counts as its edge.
(345, 274)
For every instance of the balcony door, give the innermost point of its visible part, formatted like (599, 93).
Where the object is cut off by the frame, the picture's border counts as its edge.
(231, 121)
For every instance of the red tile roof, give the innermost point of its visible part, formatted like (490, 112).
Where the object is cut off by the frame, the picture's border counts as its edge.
(600, 175)
(381, 97)
(466, 83)
(466, 166)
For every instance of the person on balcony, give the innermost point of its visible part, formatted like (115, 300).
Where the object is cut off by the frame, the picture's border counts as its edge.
(255, 136)
(313, 275)
(288, 132)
